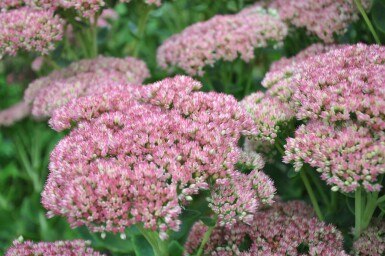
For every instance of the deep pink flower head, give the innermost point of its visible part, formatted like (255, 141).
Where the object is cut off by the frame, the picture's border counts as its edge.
(321, 18)
(13, 114)
(371, 241)
(29, 30)
(63, 248)
(284, 229)
(348, 156)
(82, 78)
(222, 37)
(137, 156)
(269, 114)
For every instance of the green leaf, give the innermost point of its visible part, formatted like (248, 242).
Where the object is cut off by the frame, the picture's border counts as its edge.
(142, 247)
(175, 249)
(378, 11)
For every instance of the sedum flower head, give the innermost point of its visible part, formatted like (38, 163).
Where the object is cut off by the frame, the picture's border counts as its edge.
(28, 29)
(284, 229)
(269, 114)
(74, 247)
(138, 156)
(82, 78)
(13, 114)
(371, 241)
(341, 85)
(348, 157)
(223, 37)
(321, 18)
(280, 78)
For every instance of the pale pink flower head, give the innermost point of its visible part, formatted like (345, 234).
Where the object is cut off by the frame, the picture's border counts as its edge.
(37, 64)
(106, 16)
(279, 79)
(29, 30)
(371, 241)
(136, 157)
(223, 37)
(269, 113)
(82, 78)
(7, 4)
(321, 18)
(284, 229)
(74, 247)
(14, 114)
(348, 157)
(341, 85)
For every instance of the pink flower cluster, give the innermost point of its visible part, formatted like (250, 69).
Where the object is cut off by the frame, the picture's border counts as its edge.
(343, 84)
(222, 37)
(64, 248)
(269, 114)
(322, 18)
(6, 4)
(280, 78)
(13, 114)
(136, 156)
(348, 156)
(341, 93)
(29, 30)
(82, 78)
(371, 241)
(285, 229)
(84, 8)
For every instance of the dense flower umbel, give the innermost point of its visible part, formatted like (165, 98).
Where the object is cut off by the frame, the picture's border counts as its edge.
(269, 114)
(84, 8)
(322, 18)
(5, 4)
(13, 114)
(29, 30)
(285, 229)
(63, 248)
(279, 79)
(343, 84)
(371, 241)
(222, 37)
(135, 156)
(348, 156)
(82, 78)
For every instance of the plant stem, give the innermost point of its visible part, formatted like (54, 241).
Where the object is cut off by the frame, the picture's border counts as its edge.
(205, 240)
(159, 247)
(141, 28)
(368, 23)
(358, 213)
(320, 190)
(311, 194)
(369, 209)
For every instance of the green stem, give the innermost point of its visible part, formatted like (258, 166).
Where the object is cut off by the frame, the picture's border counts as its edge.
(94, 37)
(334, 201)
(141, 28)
(320, 190)
(358, 213)
(159, 247)
(311, 194)
(368, 23)
(369, 209)
(27, 165)
(205, 240)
